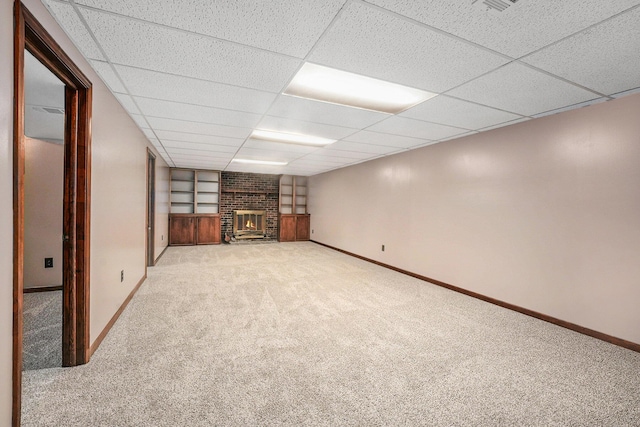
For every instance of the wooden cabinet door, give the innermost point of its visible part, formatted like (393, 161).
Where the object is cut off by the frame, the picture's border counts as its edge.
(303, 225)
(287, 228)
(208, 230)
(182, 230)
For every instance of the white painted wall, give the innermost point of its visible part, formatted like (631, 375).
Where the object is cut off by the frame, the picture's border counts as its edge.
(6, 209)
(43, 194)
(119, 153)
(544, 214)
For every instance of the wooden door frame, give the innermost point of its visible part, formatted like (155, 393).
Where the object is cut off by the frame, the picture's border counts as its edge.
(151, 208)
(29, 34)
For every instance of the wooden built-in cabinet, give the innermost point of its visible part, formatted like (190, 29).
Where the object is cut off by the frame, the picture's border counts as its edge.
(294, 227)
(194, 217)
(293, 222)
(194, 229)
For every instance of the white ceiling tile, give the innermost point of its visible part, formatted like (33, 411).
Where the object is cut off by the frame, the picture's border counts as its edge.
(70, 22)
(212, 152)
(318, 163)
(107, 75)
(196, 113)
(376, 138)
(597, 58)
(323, 112)
(520, 29)
(167, 135)
(201, 165)
(149, 133)
(187, 54)
(201, 158)
(319, 159)
(363, 148)
(626, 93)
(501, 125)
(258, 154)
(453, 112)
(522, 90)
(368, 41)
(265, 169)
(211, 146)
(462, 135)
(403, 126)
(279, 146)
(220, 70)
(152, 84)
(197, 128)
(287, 26)
(296, 126)
(347, 154)
(127, 103)
(140, 121)
(572, 107)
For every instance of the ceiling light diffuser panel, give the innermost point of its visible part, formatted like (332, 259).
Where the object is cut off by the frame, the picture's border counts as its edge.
(290, 138)
(340, 87)
(259, 162)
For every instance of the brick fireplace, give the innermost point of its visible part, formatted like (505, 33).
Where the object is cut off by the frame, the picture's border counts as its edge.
(249, 191)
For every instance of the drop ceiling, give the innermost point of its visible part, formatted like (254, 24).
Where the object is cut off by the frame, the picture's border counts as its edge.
(199, 76)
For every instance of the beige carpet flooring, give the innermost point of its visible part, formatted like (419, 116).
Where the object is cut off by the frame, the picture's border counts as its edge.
(297, 334)
(42, 330)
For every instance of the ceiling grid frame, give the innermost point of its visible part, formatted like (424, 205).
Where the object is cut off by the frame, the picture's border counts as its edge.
(302, 164)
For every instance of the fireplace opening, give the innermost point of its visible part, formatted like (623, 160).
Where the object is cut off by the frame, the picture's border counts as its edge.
(249, 224)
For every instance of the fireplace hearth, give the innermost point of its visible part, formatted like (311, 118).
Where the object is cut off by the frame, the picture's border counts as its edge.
(249, 224)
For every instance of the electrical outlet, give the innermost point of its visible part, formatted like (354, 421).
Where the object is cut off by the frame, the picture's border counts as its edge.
(382, 248)
(122, 275)
(163, 237)
(48, 263)
(312, 231)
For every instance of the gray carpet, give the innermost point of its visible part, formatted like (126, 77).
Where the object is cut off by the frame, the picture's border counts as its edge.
(42, 330)
(297, 334)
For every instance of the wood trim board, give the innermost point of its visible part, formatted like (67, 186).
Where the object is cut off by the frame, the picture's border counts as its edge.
(115, 317)
(30, 35)
(559, 322)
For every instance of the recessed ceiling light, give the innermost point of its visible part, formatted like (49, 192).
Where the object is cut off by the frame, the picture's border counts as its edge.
(353, 90)
(290, 138)
(259, 162)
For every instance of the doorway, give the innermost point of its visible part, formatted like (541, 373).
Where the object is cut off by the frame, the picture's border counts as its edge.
(44, 125)
(30, 36)
(151, 211)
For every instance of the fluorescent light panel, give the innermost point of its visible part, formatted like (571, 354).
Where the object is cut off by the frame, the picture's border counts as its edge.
(353, 90)
(290, 138)
(259, 162)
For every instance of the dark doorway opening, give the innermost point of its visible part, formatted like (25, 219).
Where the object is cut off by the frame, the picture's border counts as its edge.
(151, 211)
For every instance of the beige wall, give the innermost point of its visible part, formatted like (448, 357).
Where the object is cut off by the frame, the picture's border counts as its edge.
(544, 214)
(6, 208)
(119, 154)
(43, 193)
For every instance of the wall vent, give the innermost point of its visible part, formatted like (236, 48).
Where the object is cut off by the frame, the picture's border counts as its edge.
(497, 5)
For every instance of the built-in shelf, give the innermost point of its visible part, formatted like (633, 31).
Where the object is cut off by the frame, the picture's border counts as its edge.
(195, 191)
(293, 194)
